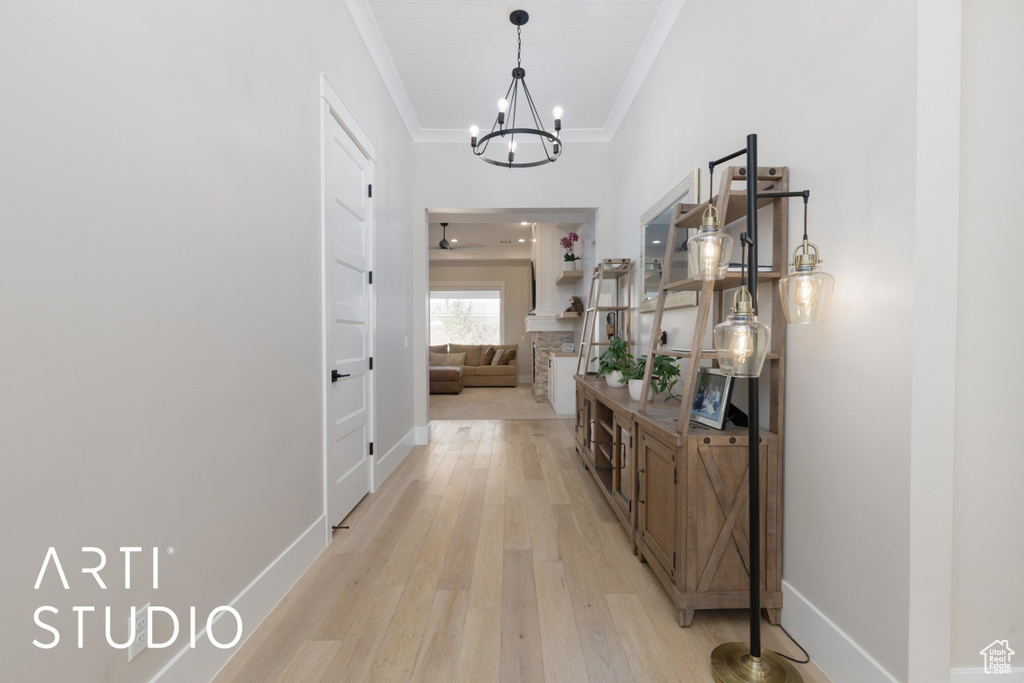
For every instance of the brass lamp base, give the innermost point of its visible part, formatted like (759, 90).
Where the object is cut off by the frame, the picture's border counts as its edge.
(732, 663)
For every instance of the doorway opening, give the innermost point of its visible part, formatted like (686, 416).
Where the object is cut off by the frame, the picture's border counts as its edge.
(491, 297)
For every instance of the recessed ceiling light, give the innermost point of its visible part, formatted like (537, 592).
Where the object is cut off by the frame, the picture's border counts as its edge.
(534, 239)
(522, 239)
(455, 240)
(524, 223)
(654, 242)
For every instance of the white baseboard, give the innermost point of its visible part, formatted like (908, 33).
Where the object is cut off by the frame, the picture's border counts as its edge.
(387, 463)
(422, 437)
(978, 675)
(254, 603)
(834, 652)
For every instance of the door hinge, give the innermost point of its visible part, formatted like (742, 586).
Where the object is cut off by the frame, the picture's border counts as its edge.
(675, 476)
(371, 448)
(371, 362)
(370, 190)
(371, 277)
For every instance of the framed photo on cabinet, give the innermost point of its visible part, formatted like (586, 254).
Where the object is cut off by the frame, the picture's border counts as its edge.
(711, 398)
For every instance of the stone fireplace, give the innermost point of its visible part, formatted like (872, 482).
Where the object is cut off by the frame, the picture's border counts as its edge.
(543, 343)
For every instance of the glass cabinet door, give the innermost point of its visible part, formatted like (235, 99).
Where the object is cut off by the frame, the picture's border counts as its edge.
(625, 466)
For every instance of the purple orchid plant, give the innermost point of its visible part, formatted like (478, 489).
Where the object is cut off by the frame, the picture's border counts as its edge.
(568, 243)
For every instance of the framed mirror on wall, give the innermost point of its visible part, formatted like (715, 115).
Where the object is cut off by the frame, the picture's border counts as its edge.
(654, 249)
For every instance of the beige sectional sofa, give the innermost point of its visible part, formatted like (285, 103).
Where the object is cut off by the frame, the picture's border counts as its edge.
(473, 373)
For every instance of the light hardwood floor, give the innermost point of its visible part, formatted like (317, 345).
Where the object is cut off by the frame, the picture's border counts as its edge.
(488, 555)
(491, 403)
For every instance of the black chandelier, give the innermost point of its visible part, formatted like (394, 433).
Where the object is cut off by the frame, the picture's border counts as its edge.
(550, 143)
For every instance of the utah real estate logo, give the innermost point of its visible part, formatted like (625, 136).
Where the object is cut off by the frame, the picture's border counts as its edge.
(997, 657)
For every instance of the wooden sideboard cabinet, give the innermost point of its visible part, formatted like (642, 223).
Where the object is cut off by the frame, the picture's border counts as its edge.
(682, 498)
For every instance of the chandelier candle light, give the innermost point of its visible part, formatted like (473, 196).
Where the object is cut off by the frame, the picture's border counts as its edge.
(507, 108)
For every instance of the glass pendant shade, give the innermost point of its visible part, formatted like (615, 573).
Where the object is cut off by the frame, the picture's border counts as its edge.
(742, 341)
(806, 291)
(710, 249)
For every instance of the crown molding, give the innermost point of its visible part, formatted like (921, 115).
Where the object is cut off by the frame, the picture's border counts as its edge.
(362, 16)
(656, 37)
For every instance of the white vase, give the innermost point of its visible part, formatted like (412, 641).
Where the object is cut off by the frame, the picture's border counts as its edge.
(613, 379)
(568, 266)
(636, 386)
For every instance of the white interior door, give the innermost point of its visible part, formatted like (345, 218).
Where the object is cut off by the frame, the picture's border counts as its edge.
(348, 215)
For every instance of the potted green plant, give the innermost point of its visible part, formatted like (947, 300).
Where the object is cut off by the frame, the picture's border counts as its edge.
(635, 379)
(613, 362)
(664, 376)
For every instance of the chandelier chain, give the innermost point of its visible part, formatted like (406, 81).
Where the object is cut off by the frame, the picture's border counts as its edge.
(519, 52)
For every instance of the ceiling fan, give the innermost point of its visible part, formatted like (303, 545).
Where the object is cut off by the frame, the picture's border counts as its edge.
(444, 244)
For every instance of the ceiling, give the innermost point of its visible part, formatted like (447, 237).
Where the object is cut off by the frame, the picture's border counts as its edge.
(446, 63)
(481, 241)
(494, 234)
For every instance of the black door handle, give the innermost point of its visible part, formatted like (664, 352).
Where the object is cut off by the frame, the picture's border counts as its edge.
(335, 376)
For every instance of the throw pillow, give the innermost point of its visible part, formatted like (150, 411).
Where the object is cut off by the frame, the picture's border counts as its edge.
(488, 356)
(497, 357)
(508, 356)
(455, 359)
(447, 359)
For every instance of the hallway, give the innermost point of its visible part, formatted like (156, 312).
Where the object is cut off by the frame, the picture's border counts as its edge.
(488, 555)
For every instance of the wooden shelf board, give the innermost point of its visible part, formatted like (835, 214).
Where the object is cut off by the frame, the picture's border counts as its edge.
(613, 308)
(737, 207)
(568, 277)
(730, 281)
(568, 315)
(607, 427)
(685, 354)
(615, 272)
(704, 355)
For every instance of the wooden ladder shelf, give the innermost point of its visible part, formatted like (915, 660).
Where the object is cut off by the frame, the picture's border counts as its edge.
(620, 271)
(732, 206)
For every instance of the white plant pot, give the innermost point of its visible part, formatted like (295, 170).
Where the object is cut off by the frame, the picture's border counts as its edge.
(569, 266)
(614, 379)
(636, 386)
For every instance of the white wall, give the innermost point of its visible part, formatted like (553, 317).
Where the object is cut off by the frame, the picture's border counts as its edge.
(988, 557)
(515, 279)
(448, 176)
(834, 101)
(161, 300)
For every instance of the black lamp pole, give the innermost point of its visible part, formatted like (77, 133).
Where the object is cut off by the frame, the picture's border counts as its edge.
(754, 411)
